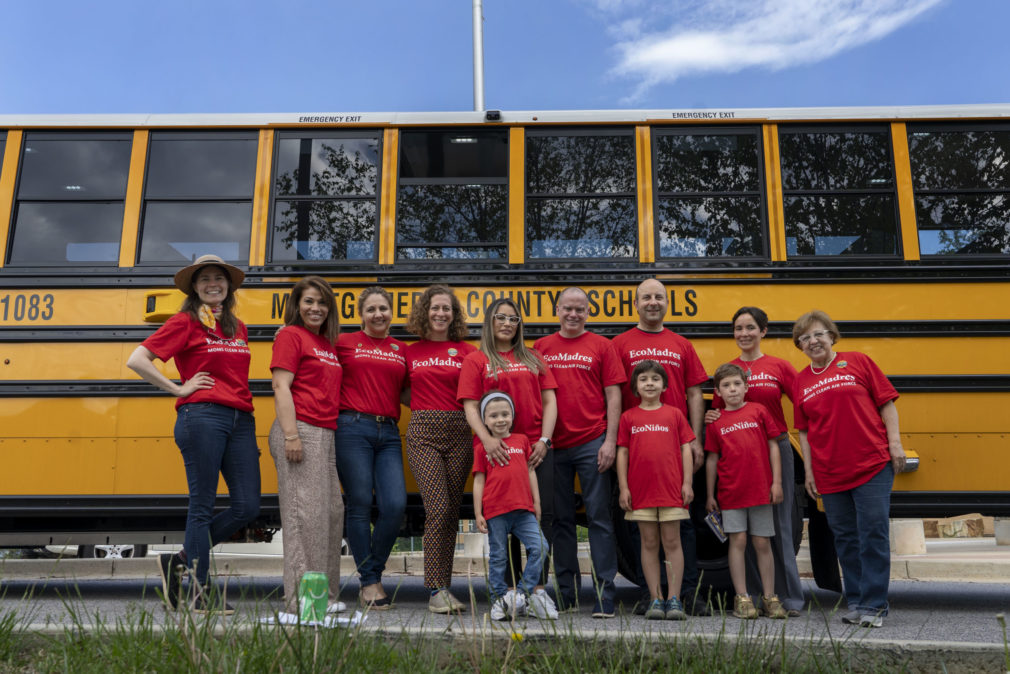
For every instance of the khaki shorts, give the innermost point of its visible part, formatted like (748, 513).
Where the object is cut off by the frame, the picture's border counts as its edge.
(657, 515)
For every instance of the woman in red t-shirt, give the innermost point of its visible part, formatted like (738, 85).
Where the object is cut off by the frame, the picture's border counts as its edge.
(844, 409)
(369, 453)
(504, 362)
(214, 429)
(439, 442)
(768, 379)
(306, 382)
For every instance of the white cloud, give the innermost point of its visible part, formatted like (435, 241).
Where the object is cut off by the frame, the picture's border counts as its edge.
(726, 36)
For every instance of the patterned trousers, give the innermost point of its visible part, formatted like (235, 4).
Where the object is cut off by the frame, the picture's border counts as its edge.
(440, 455)
(312, 509)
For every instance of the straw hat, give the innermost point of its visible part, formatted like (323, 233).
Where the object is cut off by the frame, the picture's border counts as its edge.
(184, 277)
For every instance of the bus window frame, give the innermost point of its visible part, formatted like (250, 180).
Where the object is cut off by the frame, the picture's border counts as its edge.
(785, 129)
(531, 261)
(113, 134)
(323, 133)
(506, 181)
(761, 193)
(953, 127)
(190, 135)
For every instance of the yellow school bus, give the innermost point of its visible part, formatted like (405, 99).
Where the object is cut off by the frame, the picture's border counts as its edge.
(896, 221)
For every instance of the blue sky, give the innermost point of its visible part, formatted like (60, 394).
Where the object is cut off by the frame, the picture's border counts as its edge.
(61, 56)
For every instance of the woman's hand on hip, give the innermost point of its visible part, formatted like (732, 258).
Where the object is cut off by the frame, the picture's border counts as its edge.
(200, 381)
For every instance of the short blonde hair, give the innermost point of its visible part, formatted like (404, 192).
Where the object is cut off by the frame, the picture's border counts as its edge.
(804, 322)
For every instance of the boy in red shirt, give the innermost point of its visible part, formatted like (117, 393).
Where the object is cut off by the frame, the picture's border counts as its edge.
(654, 470)
(506, 500)
(742, 451)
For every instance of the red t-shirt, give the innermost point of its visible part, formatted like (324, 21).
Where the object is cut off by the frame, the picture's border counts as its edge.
(673, 352)
(582, 366)
(375, 370)
(740, 438)
(434, 373)
(476, 379)
(839, 410)
(506, 488)
(655, 462)
(197, 349)
(769, 378)
(315, 389)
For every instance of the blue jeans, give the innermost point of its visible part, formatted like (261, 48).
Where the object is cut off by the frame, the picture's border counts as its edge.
(859, 520)
(523, 525)
(215, 439)
(596, 487)
(369, 458)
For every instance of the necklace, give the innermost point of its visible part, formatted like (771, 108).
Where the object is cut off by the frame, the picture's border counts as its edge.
(375, 346)
(825, 367)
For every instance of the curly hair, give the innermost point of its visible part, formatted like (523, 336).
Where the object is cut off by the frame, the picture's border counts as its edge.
(418, 322)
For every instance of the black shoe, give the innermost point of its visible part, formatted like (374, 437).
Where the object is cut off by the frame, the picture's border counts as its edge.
(171, 567)
(696, 606)
(643, 603)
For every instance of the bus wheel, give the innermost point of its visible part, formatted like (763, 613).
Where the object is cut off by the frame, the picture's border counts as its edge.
(111, 551)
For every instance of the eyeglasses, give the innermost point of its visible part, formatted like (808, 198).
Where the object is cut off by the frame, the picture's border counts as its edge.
(505, 318)
(816, 334)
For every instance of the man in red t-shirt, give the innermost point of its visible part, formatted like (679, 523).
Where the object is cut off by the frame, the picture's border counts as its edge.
(589, 376)
(650, 340)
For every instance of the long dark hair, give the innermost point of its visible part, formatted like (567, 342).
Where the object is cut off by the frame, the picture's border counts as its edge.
(292, 316)
(525, 356)
(191, 305)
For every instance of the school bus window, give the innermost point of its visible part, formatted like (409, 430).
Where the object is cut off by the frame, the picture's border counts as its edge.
(452, 201)
(580, 194)
(708, 193)
(69, 204)
(838, 191)
(325, 196)
(198, 197)
(961, 178)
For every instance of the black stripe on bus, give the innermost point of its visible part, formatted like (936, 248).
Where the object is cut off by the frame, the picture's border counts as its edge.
(989, 383)
(949, 503)
(709, 329)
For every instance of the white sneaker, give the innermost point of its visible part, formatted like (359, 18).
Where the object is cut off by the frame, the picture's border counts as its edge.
(871, 620)
(851, 617)
(508, 606)
(336, 607)
(499, 610)
(542, 606)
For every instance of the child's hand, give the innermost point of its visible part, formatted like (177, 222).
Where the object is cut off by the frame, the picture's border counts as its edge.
(712, 416)
(776, 494)
(688, 493)
(481, 524)
(711, 504)
(625, 500)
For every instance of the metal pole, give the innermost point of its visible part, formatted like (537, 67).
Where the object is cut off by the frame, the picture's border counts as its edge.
(478, 55)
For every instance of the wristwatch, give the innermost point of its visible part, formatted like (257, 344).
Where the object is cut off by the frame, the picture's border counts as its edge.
(547, 441)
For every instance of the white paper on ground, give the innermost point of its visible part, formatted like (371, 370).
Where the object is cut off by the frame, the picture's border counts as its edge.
(331, 620)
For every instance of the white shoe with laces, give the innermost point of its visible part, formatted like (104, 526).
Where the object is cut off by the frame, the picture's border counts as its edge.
(508, 606)
(542, 606)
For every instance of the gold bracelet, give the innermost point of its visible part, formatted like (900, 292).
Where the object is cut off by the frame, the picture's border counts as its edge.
(291, 437)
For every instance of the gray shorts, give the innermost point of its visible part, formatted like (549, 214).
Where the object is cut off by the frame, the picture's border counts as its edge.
(756, 520)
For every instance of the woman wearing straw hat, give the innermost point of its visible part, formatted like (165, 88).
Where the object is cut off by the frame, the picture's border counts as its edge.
(214, 428)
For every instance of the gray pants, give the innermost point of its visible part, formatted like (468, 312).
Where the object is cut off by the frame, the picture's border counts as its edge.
(787, 577)
(312, 509)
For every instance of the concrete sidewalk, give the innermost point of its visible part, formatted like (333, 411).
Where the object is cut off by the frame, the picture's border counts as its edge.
(961, 559)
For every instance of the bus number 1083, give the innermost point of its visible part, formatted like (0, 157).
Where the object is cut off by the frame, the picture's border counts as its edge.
(21, 307)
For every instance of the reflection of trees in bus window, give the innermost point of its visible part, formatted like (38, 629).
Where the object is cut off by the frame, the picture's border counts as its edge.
(580, 195)
(708, 193)
(470, 219)
(961, 176)
(452, 201)
(838, 191)
(198, 197)
(70, 196)
(326, 197)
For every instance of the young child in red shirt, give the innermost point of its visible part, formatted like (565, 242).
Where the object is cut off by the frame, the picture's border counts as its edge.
(743, 453)
(506, 501)
(654, 470)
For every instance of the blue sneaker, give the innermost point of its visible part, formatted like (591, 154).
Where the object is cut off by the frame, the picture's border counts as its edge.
(656, 610)
(603, 609)
(674, 610)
